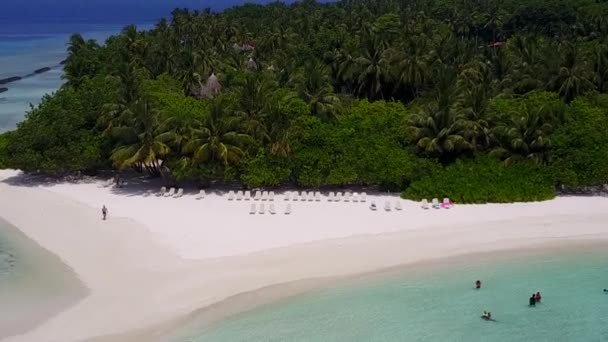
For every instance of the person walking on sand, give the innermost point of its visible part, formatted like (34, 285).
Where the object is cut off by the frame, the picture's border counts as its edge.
(104, 211)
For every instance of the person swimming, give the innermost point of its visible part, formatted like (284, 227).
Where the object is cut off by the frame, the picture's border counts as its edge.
(487, 315)
(533, 300)
(537, 297)
(478, 284)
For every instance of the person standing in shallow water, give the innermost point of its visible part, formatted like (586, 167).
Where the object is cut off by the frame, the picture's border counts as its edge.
(104, 211)
(533, 300)
(537, 297)
(478, 284)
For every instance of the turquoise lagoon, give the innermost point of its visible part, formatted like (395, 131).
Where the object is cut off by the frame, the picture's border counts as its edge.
(439, 303)
(34, 284)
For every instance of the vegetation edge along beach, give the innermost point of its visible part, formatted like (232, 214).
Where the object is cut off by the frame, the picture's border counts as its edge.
(490, 101)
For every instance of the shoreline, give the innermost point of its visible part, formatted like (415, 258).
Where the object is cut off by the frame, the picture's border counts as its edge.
(205, 318)
(29, 303)
(158, 260)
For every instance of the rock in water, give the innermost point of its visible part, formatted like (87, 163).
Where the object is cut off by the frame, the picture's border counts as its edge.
(2, 90)
(10, 79)
(41, 70)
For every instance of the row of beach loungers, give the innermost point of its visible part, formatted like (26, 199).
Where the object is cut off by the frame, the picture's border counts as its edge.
(261, 209)
(446, 204)
(302, 196)
(171, 193)
(387, 206)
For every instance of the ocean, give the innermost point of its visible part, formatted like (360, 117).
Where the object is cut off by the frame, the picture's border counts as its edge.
(440, 303)
(34, 284)
(25, 48)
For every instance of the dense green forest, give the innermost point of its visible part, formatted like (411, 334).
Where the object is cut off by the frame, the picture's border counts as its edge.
(482, 100)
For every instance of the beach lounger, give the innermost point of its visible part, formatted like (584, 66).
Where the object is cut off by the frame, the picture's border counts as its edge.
(372, 206)
(162, 191)
(294, 196)
(338, 197)
(201, 194)
(318, 196)
(239, 195)
(262, 210)
(253, 209)
(288, 209)
(363, 197)
(447, 204)
(398, 205)
(258, 195)
(436, 204)
(170, 193)
(265, 196)
(424, 204)
(271, 196)
(303, 196)
(108, 183)
(231, 195)
(271, 209)
(311, 196)
(287, 196)
(180, 193)
(247, 195)
(347, 196)
(387, 205)
(355, 197)
(331, 196)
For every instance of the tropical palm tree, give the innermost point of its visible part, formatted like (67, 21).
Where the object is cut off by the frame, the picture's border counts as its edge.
(524, 135)
(573, 77)
(139, 144)
(314, 87)
(219, 139)
(437, 129)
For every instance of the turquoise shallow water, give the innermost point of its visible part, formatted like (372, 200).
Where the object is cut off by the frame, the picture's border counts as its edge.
(440, 304)
(34, 284)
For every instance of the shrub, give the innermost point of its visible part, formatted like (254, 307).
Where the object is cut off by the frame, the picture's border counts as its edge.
(484, 180)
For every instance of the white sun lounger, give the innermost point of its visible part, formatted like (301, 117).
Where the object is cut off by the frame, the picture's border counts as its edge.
(424, 204)
(338, 197)
(271, 196)
(262, 210)
(355, 197)
(201, 194)
(108, 183)
(253, 209)
(288, 209)
(387, 205)
(180, 193)
(347, 197)
(271, 209)
(398, 205)
(247, 195)
(231, 195)
(294, 196)
(311, 196)
(162, 191)
(303, 196)
(239, 195)
(436, 204)
(287, 196)
(363, 197)
(318, 196)
(258, 195)
(265, 196)
(372, 206)
(331, 196)
(170, 193)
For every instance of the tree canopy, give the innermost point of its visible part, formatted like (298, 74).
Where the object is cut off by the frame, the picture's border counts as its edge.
(382, 93)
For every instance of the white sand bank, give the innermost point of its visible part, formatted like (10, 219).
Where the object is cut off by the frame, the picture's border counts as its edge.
(158, 258)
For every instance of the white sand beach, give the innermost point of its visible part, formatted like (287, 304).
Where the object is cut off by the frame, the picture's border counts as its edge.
(156, 258)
